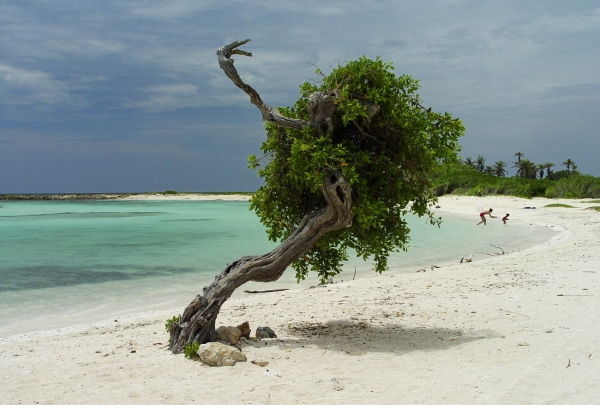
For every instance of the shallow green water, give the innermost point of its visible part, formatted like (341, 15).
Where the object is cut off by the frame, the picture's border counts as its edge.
(81, 261)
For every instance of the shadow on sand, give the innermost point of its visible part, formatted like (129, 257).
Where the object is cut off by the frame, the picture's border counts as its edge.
(355, 338)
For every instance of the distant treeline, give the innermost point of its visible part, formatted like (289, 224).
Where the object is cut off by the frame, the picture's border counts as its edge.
(460, 178)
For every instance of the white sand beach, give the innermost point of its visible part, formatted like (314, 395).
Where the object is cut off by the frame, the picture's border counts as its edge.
(519, 328)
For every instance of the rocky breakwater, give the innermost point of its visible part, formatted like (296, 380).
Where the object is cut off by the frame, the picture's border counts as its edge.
(46, 197)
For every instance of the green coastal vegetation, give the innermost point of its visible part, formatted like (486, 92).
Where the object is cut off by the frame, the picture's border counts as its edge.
(474, 177)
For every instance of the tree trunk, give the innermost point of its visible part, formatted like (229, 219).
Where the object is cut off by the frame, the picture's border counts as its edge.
(197, 324)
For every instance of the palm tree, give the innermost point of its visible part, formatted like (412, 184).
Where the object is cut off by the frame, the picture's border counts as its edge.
(480, 163)
(540, 169)
(548, 166)
(526, 169)
(569, 163)
(469, 162)
(499, 168)
(489, 170)
(519, 155)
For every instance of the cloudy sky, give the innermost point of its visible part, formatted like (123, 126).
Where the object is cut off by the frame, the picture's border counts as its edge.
(118, 96)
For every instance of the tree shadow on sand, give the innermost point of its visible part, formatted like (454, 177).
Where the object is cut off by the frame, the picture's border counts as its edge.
(355, 337)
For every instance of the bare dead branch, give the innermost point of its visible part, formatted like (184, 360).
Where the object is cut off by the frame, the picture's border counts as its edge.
(269, 114)
(321, 105)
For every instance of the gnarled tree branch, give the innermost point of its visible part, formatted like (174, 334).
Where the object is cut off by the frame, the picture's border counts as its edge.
(269, 114)
(321, 104)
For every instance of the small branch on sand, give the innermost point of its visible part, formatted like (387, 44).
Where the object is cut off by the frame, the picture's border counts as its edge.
(265, 291)
(498, 247)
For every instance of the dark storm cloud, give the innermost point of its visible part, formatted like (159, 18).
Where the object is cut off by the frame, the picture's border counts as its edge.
(128, 96)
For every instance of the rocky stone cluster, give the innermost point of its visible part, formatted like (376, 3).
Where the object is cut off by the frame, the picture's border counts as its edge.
(226, 351)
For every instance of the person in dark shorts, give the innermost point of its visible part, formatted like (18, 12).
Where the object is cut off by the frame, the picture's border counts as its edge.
(483, 214)
(505, 218)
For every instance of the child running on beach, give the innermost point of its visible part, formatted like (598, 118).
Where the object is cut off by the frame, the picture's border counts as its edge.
(483, 214)
(505, 218)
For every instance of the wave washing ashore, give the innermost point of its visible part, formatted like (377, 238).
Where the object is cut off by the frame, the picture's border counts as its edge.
(72, 262)
(515, 328)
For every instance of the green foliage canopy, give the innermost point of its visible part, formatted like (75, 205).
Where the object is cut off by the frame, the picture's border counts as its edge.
(386, 160)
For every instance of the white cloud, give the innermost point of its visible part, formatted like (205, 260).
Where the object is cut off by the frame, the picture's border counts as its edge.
(166, 9)
(168, 98)
(28, 87)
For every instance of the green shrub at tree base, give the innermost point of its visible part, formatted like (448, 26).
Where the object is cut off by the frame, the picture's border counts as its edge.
(191, 350)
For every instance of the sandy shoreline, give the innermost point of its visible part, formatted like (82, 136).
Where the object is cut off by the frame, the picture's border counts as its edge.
(517, 328)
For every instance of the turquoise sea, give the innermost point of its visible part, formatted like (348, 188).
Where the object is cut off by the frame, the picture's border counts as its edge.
(71, 262)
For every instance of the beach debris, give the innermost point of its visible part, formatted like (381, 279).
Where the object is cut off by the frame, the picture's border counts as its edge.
(271, 373)
(260, 363)
(264, 332)
(337, 386)
(522, 344)
(469, 260)
(421, 270)
(217, 354)
(265, 291)
(569, 364)
(433, 266)
(498, 247)
(245, 329)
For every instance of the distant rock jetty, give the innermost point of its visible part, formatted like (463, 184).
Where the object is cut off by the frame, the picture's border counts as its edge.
(43, 197)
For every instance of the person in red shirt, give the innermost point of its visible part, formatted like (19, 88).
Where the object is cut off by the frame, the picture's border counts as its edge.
(483, 214)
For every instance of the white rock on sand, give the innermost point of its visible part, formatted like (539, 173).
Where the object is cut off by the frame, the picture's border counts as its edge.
(521, 328)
